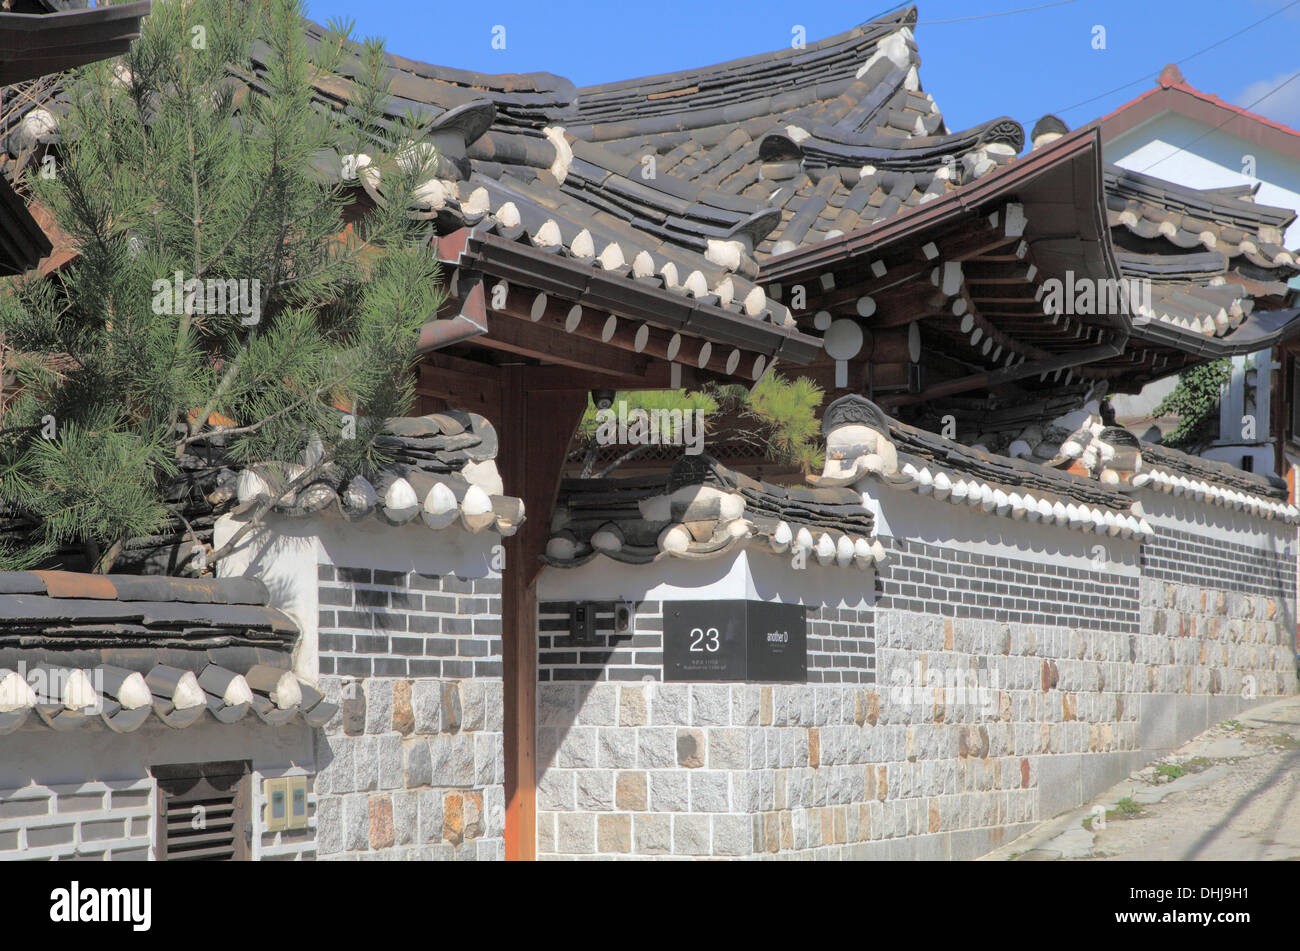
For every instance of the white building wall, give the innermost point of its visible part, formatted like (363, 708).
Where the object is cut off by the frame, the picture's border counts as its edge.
(1181, 150)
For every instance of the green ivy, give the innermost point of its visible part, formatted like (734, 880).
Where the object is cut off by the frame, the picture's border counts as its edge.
(1195, 400)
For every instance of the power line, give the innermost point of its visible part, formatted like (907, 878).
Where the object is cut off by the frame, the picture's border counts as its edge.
(1216, 128)
(1004, 13)
(977, 16)
(1185, 59)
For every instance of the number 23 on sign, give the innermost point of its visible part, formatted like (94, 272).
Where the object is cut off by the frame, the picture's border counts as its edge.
(704, 640)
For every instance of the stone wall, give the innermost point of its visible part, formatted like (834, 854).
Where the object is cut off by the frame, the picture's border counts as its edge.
(413, 765)
(644, 770)
(659, 770)
(1008, 672)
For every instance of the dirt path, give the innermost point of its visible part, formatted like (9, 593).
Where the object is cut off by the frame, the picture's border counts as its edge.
(1232, 793)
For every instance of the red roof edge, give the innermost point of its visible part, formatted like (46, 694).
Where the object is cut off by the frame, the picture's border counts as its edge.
(1174, 94)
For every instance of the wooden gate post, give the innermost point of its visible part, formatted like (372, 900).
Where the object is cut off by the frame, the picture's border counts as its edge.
(534, 431)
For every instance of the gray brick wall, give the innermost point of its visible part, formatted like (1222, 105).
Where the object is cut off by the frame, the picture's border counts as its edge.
(89, 820)
(1187, 558)
(951, 582)
(636, 655)
(377, 623)
(841, 645)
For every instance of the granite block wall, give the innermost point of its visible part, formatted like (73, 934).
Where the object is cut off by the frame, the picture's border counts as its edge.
(413, 766)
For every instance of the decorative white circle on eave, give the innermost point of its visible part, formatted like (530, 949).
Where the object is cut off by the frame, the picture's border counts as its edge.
(843, 340)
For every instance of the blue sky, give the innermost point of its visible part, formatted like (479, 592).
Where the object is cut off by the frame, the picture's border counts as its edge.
(1022, 65)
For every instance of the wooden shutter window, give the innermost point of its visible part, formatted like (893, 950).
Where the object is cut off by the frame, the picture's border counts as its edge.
(204, 811)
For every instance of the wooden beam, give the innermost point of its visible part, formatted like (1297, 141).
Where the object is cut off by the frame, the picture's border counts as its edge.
(979, 271)
(658, 376)
(626, 335)
(957, 246)
(550, 345)
(482, 386)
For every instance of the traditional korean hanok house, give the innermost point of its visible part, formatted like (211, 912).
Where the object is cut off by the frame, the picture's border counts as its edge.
(568, 274)
(1007, 652)
(779, 647)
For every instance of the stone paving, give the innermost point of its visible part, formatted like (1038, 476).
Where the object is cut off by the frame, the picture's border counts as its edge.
(1233, 793)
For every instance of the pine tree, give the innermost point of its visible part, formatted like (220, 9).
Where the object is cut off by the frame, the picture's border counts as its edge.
(180, 164)
(776, 419)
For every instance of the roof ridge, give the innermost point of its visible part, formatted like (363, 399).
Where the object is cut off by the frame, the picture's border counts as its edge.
(870, 30)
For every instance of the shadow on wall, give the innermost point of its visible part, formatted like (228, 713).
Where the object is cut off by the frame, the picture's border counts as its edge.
(749, 576)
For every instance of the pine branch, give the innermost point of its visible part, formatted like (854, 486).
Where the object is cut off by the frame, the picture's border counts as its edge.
(254, 427)
(626, 457)
(264, 507)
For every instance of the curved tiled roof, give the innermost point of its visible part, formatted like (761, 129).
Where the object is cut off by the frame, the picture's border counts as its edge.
(1083, 444)
(1210, 255)
(442, 472)
(688, 182)
(835, 135)
(33, 45)
(702, 510)
(508, 166)
(1220, 472)
(688, 177)
(862, 441)
(121, 649)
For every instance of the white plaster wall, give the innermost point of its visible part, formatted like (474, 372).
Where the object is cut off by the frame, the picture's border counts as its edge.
(1214, 521)
(1191, 153)
(743, 575)
(1137, 406)
(905, 515)
(282, 554)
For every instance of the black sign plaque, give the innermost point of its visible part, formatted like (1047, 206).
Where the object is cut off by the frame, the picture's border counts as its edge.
(778, 642)
(736, 641)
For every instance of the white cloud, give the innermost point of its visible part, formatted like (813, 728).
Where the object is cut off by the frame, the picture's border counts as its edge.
(1281, 106)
